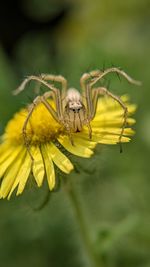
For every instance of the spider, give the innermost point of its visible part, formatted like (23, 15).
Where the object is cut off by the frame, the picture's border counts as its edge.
(70, 111)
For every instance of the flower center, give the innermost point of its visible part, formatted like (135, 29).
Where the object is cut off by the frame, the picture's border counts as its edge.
(41, 126)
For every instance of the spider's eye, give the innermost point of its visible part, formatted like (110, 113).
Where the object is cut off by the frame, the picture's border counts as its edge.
(75, 110)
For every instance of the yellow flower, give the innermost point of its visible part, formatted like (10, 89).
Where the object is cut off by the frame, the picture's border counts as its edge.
(46, 139)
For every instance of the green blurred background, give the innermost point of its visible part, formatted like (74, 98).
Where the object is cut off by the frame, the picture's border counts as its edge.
(70, 38)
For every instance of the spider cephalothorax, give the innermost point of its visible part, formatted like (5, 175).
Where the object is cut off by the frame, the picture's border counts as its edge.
(70, 110)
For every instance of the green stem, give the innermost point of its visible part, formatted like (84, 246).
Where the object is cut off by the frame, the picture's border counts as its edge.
(70, 189)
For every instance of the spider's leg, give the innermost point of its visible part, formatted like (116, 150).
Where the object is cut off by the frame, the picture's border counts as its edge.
(67, 127)
(86, 82)
(87, 77)
(96, 75)
(56, 78)
(58, 116)
(115, 70)
(90, 129)
(86, 91)
(34, 78)
(37, 100)
(103, 91)
(67, 124)
(24, 131)
(49, 86)
(87, 94)
(60, 79)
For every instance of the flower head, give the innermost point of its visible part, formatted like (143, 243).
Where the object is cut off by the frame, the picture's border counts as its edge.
(46, 137)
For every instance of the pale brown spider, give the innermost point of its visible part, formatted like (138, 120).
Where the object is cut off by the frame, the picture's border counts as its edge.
(70, 110)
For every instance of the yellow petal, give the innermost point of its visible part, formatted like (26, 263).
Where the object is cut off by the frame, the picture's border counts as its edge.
(5, 151)
(59, 158)
(3, 148)
(18, 176)
(84, 139)
(109, 138)
(13, 153)
(10, 175)
(77, 149)
(49, 167)
(109, 115)
(24, 173)
(114, 131)
(112, 108)
(38, 165)
(111, 122)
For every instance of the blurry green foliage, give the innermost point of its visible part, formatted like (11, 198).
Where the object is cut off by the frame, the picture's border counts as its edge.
(114, 189)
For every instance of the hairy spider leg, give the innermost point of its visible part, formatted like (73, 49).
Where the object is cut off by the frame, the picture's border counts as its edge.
(96, 75)
(37, 101)
(103, 91)
(68, 129)
(56, 78)
(60, 79)
(53, 78)
(86, 82)
(89, 79)
(101, 74)
(52, 88)
(87, 94)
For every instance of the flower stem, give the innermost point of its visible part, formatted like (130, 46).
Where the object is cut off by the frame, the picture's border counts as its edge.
(84, 231)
